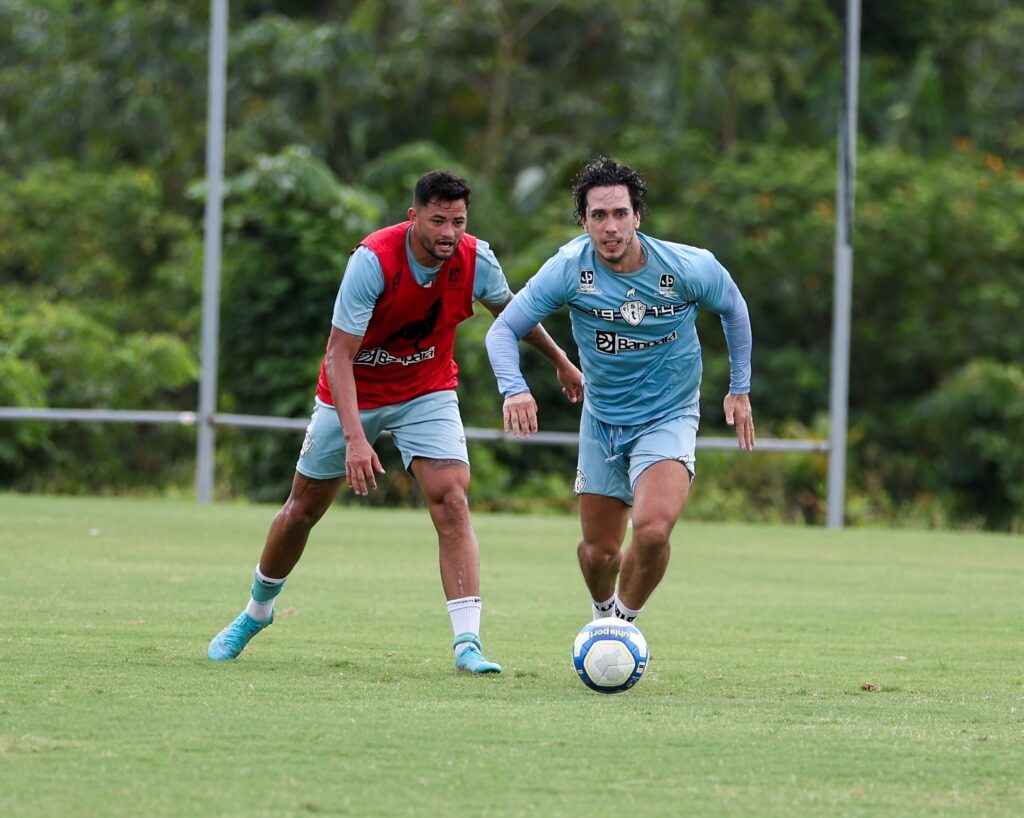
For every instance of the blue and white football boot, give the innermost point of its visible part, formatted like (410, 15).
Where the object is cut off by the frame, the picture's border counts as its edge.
(470, 659)
(232, 640)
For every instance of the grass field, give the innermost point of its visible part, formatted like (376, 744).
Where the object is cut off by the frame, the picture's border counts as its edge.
(795, 672)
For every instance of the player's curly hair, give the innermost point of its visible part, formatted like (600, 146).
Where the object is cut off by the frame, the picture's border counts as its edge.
(607, 172)
(440, 185)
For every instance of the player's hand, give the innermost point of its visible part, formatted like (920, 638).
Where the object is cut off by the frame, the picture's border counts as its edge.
(739, 414)
(361, 466)
(572, 381)
(520, 414)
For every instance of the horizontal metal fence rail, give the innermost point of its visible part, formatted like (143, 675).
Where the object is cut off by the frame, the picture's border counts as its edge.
(98, 415)
(299, 424)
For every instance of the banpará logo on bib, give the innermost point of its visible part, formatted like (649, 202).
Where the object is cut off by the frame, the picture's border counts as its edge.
(381, 357)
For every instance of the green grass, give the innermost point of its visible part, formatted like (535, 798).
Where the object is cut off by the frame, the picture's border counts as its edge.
(795, 672)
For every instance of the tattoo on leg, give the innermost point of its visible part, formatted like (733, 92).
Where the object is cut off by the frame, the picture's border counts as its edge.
(438, 465)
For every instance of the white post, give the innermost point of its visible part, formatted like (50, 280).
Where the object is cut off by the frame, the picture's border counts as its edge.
(841, 302)
(216, 83)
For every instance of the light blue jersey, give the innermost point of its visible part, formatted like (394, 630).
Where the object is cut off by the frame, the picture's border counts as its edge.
(635, 332)
(363, 283)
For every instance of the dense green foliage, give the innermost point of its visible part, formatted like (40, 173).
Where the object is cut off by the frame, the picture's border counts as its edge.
(729, 109)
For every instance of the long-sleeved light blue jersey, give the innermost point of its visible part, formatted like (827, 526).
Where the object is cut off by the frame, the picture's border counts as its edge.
(636, 332)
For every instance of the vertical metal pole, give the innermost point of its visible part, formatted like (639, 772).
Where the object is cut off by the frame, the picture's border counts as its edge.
(841, 302)
(212, 247)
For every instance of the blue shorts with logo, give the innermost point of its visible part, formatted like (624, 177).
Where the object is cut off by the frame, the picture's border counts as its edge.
(612, 458)
(428, 426)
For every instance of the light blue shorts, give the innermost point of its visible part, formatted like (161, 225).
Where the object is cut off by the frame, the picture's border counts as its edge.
(428, 426)
(612, 458)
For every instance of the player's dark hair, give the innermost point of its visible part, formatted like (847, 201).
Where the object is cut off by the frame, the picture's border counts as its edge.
(607, 172)
(440, 185)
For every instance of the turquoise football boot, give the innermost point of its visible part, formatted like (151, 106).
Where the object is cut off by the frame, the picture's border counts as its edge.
(232, 640)
(471, 660)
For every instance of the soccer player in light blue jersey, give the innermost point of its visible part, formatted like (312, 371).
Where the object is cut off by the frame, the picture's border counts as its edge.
(632, 301)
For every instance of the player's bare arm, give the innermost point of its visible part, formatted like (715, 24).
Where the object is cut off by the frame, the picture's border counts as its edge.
(568, 374)
(739, 414)
(361, 461)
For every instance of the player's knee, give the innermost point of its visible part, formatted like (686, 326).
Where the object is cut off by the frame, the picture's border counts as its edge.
(599, 554)
(652, 534)
(452, 504)
(298, 514)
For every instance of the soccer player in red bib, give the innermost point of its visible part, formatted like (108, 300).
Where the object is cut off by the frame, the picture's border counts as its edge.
(389, 366)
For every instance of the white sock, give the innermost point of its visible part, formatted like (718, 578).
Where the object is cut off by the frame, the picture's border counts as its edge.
(603, 609)
(264, 591)
(622, 612)
(465, 616)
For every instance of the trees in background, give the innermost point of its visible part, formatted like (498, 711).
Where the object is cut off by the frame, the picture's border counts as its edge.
(334, 109)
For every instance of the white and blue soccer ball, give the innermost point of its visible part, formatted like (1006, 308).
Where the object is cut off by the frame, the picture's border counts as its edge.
(610, 655)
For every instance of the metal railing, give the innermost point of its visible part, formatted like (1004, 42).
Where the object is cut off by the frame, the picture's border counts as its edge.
(190, 418)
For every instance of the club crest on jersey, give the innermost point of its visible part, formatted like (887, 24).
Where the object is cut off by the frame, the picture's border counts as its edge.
(633, 312)
(587, 286)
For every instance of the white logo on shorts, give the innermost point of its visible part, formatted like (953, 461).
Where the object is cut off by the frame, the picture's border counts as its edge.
(307, 444)
(581, 482)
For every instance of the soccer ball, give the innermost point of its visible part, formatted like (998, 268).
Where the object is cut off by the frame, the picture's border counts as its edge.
(610, 655)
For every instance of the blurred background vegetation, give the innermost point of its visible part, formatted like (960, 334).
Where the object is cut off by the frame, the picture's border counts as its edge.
(335, 108)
